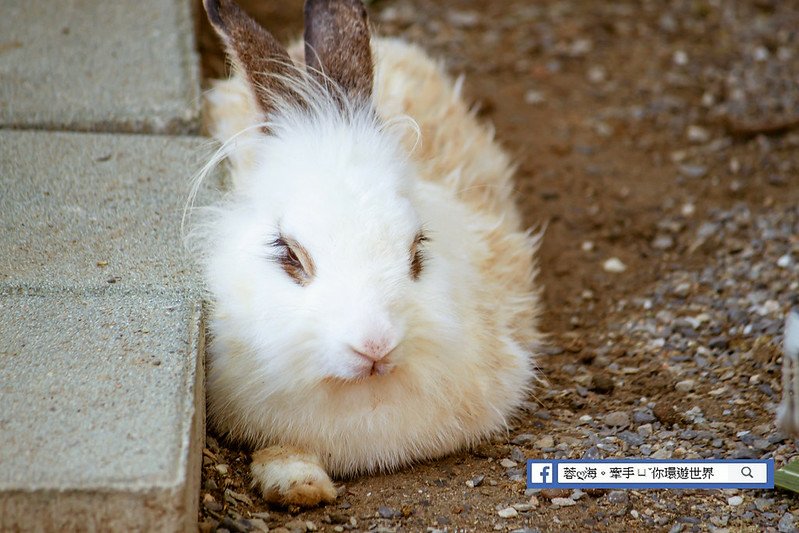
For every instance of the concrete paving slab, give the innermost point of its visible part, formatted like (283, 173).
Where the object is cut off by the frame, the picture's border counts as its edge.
(102, 417)
(99, 65)
(95, 212)
(101, 348)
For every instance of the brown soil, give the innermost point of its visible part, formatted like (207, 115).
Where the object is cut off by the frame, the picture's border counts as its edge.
(591, 174)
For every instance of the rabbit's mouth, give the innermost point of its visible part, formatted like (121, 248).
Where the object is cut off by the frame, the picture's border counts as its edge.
(381, 368)
(377, 370)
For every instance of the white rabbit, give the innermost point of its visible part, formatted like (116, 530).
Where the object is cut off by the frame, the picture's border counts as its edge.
(373, 296)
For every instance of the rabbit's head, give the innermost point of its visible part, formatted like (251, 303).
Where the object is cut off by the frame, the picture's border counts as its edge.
(318, 258)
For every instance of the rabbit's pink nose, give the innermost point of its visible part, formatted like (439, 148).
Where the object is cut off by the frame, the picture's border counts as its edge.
(374, 349)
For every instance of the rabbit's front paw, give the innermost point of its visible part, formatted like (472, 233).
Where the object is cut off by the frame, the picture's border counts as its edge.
(289, 476)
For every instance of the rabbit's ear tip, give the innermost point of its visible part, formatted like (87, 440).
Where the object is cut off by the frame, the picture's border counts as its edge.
(337, 45)
(254, 51)
(212, 9)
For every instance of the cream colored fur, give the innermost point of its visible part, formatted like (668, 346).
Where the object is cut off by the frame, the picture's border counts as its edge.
(289, 475)
(448, 390)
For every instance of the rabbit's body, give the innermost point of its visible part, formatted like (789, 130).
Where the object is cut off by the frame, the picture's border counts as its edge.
(461, 333)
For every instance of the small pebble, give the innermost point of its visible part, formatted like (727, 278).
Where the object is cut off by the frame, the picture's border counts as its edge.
(763, 504)
(643, 416)
(296, 525)
(516, 454)
(632, 439)
(682, 290)
(212, 505)
(693, 171)
(735, 500)
(463, 19)
(592, 453)
(533, 97)
(697, 134)
(547, 441)
(786, 523)
(232, 497)
(617, 496)
(508, 512)
(386, 512)
(523, 439)
(617, 419)
(597, 74)
(614, 265)
(663, 242)
(563, 502)
(475, 481)
(662, 453)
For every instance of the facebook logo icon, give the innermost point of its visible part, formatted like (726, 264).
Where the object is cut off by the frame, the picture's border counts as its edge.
(540, 474)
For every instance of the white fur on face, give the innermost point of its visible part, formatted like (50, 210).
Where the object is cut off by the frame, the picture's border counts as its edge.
(340, 190)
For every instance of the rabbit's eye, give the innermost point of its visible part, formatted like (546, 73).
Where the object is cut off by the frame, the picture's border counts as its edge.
(417, 255)
(294, 260)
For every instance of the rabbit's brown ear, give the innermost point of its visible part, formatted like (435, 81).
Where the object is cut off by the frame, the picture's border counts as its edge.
(254, 53)
(337, 45)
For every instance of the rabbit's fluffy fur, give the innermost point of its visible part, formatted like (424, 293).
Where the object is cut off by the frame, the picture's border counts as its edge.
(353, 189)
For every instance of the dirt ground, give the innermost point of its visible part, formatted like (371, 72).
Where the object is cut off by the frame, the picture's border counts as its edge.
(635, 124)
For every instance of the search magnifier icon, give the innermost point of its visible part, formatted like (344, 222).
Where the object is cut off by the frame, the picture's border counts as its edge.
(746, 471)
